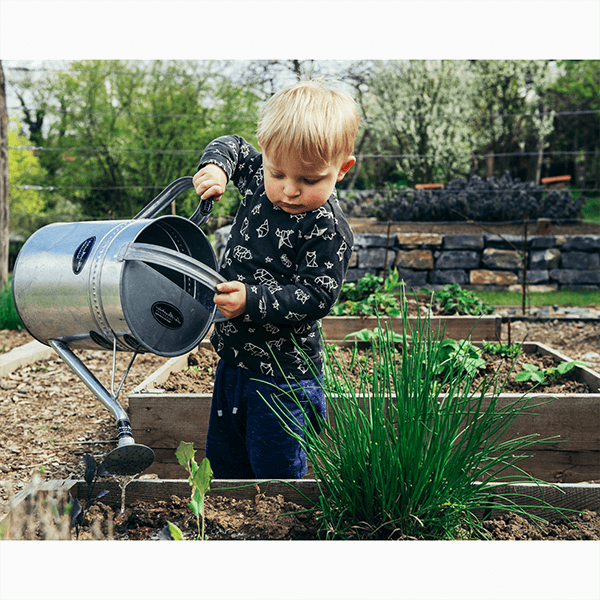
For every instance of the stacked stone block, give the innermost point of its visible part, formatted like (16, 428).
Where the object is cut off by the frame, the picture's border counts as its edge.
(480, 261)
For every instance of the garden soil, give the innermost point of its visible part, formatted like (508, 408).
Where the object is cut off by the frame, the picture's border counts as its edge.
(50, 420)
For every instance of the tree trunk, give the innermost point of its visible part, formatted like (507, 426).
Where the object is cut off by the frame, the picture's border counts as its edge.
(4, 212)
(540, 156)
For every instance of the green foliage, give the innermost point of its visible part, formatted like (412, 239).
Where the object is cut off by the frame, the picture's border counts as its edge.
(9, 318)
(398, 460)
(454, 300)
(557, 297)
(199, 479)
(452, 356)
(576, 94)
(591, 210)
(372, 295)
(503, 350)
(117, 132)
(542, 376)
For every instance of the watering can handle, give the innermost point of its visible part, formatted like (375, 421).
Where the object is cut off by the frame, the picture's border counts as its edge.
(166, 197)
(174, 260)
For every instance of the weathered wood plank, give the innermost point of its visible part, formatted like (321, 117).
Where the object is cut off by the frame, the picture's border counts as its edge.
(487, 327)
(305, 492)
(24, 355)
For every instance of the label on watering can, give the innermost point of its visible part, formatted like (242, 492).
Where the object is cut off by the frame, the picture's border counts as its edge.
(167, 315)
(82, 254)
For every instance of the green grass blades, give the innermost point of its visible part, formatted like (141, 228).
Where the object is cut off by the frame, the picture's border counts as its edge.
(199, 479)
(9, 318)
(398, 459)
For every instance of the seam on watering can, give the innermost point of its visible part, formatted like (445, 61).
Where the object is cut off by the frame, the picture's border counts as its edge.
(95, 284)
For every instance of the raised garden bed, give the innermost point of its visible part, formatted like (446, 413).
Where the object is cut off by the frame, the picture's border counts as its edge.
(161, 420)
(238, 510)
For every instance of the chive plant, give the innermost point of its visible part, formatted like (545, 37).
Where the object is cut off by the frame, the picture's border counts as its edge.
(411, 450)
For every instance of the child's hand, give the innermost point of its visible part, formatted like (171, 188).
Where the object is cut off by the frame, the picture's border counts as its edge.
(231, 299)
(210, 182)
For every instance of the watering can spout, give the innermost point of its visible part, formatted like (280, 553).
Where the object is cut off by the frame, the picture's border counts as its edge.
(128, 458)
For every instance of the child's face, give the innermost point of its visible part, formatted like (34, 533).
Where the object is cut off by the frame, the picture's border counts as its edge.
(295, 188)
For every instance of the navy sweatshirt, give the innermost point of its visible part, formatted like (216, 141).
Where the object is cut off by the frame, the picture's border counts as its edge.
(292, 266)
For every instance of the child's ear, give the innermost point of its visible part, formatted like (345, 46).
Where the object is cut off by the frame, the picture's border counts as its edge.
(346, 166)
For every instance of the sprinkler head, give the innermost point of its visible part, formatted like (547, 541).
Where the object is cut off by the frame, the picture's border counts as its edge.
(128, 459)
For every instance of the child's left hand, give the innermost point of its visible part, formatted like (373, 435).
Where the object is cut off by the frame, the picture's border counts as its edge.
(231, 299)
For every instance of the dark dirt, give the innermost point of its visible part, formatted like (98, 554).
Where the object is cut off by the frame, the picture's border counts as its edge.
(269, 518)
(50, 419)
(198, 377)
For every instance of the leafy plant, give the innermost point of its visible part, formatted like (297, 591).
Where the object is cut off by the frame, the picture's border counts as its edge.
(453, 299)
(542, 376)
(199, 479)
(452, 356)
(512, 350)
(399, 460)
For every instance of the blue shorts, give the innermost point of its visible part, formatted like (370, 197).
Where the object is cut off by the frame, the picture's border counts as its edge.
(246, 438)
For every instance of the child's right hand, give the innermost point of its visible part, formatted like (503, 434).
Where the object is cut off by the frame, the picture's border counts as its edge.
(210, 182)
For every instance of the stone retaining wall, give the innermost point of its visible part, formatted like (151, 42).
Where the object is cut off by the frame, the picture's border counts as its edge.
(480, 261)
(475, 261)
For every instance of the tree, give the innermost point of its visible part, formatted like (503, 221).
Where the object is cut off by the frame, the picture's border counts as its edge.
(510, 117)
(114, 133)
(26, 175)
(4, 210)
(577, 91)
(414, 110)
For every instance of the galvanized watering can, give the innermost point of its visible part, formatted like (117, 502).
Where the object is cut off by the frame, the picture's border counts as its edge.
(139, 285)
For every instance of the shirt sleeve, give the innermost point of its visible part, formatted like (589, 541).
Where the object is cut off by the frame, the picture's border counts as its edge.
(238, 158)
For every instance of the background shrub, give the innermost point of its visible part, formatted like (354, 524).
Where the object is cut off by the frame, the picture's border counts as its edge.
(489, 200)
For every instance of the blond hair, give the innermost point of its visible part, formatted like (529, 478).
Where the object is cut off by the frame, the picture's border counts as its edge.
(312, 120)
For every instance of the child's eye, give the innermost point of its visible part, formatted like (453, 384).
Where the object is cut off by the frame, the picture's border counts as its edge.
(311, 182)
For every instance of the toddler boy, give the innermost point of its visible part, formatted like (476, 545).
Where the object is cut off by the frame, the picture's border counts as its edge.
(285, 261)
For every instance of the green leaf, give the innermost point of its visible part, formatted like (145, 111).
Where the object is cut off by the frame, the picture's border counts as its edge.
(523, 376)
(203, 477)
(175, 532)
(364, 335)
(185, 453)
(196, 503)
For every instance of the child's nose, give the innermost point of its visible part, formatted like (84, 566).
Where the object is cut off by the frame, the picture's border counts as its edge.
(290, 189)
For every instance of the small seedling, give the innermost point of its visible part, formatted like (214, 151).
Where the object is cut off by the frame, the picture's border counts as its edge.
(512, 350)
(199, 479)
(542, 376)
